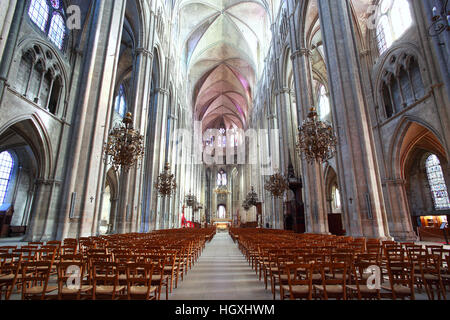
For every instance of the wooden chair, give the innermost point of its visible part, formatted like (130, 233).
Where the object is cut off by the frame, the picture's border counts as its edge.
(361, 274)
(430, 273)
(72, 291)
(334, 281)
(139, 281)
(401, 280)
(300, 284)
(159, 278)
(105, 280)
(35, 278)
(9, 273)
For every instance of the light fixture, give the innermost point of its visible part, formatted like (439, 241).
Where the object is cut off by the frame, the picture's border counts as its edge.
(316, 139)
(277, 185)
(165, 183)
(252, 198)
(440, 22)
(246, 205)
(125, 145)
(221, 190)
(190, 199)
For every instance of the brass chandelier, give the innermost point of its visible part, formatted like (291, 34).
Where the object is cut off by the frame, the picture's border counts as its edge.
(277, 185)
(246, 205)
(165, 183)
(316, 139)
(190, 200)
(222, 190)
(252, 198)
(125, 145)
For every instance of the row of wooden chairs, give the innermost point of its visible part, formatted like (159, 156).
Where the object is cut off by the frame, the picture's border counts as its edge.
(128, 266)
(403, 268)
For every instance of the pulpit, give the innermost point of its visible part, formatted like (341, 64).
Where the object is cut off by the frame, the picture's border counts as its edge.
(6, 213)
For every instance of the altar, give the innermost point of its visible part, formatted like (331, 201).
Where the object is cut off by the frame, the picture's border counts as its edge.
(222, 224)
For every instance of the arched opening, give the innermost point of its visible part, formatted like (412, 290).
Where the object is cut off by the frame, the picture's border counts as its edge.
(334, 203)
(21, 160)
(426, 174)
(109, 205)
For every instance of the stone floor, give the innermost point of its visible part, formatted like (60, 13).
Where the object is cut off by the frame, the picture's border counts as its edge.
(222, 273)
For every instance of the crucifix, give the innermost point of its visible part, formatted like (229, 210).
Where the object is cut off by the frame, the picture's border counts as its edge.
(92, 199)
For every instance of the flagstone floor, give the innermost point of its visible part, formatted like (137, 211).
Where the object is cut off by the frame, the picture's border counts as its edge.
(222, 273)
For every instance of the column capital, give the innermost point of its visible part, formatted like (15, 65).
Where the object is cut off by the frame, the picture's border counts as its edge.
(144, 51)
(301, 52)
(394, 181)
(45, 182)
(282, 91)
(162, 91)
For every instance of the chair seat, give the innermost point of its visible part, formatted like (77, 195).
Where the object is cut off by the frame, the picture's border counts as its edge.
(330, 289)
(429, 276)
(398, 289)
(297, 289)
(75, 291)
(157, 278)
(6, 277)
(108, 289)
(140, 290)
(335, 276)
(445, 276)
(40, 289)
(362, 289)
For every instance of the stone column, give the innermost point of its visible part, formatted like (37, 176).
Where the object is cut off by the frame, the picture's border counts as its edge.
(400, 222)
(39, 211)
(91, 125)
(362, 198)
(11, 40)
(314, 186)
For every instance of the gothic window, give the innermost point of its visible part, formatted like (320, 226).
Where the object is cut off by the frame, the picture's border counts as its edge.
(38, 79)
(222, 178)
(223, 138)
(336, 198)
(49, 16)
(6, 168)
(324, 103)
(403, 89)
(121, 103)
(437, 183)
(221, 212)
(395, 18)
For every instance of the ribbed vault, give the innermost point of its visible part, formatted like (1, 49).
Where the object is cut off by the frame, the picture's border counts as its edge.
(223, 51)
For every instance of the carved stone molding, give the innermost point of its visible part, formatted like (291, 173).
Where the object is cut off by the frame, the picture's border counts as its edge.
(145, 52)
(301, 52)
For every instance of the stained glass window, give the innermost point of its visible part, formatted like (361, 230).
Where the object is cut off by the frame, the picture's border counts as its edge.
(437, 183)
(39, 13)
(49, 15)
(395, 18)
(222, 212)
(55, 4)
(57, 30)
(121, 104)
(6, 166)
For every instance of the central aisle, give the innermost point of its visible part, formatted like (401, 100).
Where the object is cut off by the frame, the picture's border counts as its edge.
(222, 273)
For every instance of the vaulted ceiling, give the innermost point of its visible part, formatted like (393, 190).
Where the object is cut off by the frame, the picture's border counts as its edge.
(224, 43)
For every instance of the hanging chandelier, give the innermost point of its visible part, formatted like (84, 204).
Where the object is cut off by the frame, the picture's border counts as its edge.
(277, 185)
(165, 183)
(246, 205)
(252, 198)
(125, 145)
(316, 139)
(190, 199)
(222, 190)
